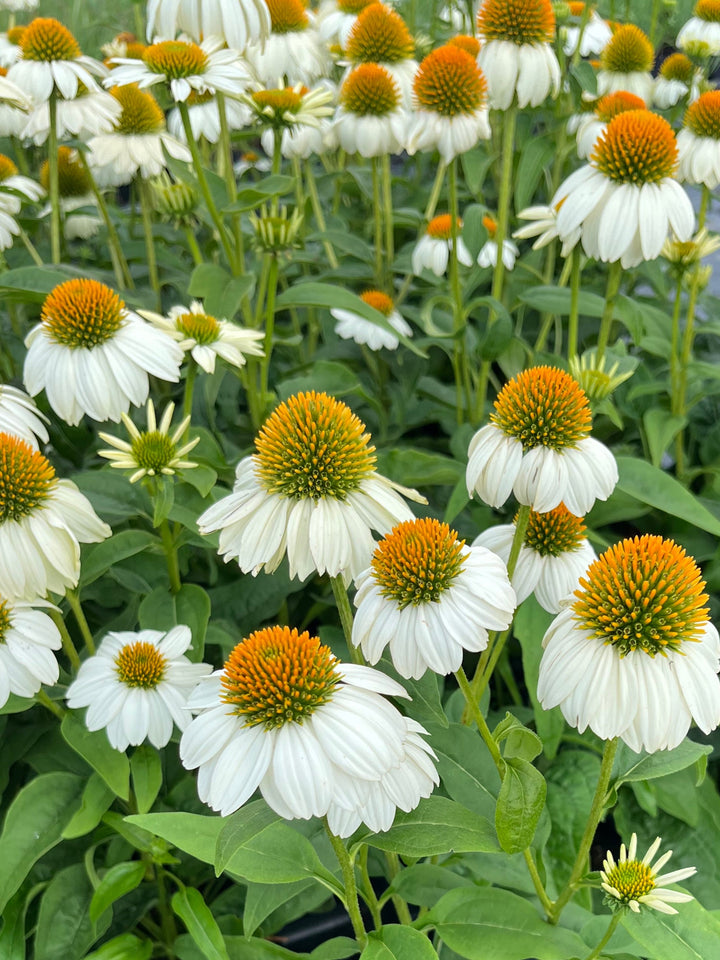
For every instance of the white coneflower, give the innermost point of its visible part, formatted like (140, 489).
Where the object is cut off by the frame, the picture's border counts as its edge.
(14, 187)
(293, 52)
(633, 883)
(316, 736)
(678, 78)
(370, 119)
(336, 18)
(152, 452)
(488, 255)
(90, 113)
(592, 125)
(137, 686)
(433, 249)
(634, 655)
(626, 64)
(10, 51)
(699, 141)
(52, 61)
(27, 639)
(93, 356)
(380, 36)
(592, 38)
(701, 33)
(351, 326)
(237, 22)
(20, 416)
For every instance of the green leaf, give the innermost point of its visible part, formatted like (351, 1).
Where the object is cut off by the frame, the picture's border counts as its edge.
(547, 299)
(191, 832)
(529, 626)
(570, 787)
(396, 942)
(146, 770)
(520, 803)
(240, 827)
(486, 923)
(12, 935)
(691, 934)
(437, 825)
(325, 375)
(661, 428)
(163, 500)
(64, 929)
(630, 766)
(520, 742)
(34, 824)
(327, 295)
(262, 899)
(189, 905)
(220, 292)
(336, 949)
(124, 947)
(535, 156)
(424, 883)
(273, 186)
(466, 767)
(98, 558)
(162, 610)
(96, 799)
(119, 880)
(650, 485)
(412, 467)
(475, 165)
(474, 232)
(95, 748)
(33, 284)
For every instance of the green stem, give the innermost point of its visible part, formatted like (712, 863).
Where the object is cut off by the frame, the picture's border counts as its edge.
(377, 222)
(30, 247)
(54, 183)
(504, 194)
(167, 920)
(120, 264)
(188, 392)
(596, 811)
(146, 211)
(387, 206)
(352, 904)
(342, 601)
(459, 355)
(171, 556)
(435, 192)
(49, 704)
(675, 349)
(536, 881)
(612, 926)
(654, 22)
(194, 246)
(67, 641)
(479, 719)
(523, 518)
(74, 600)
(318, 213)
(401, 908)
(269, 328)
(549, 318)
(573, 320)
(205, 187)
(368, 893)
(611, 291)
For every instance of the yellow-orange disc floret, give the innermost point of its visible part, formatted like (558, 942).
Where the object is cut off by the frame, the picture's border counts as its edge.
(140, 664)
(313, 446)
(449, 82)
(613, 104)
(287, 16)
(677, 67)
(200, 327)
(440, 227)
(466, 42)
(15, 34)
(47, 39)
(277, 676)
(73, 178)
(519, 21)
(629, 51)
(141, 112)
(490, 224)
(636, 147)
(643, 594)
(708, 10)
(281, 100)
(369, 90)
(353, 6)
(26, 478)
(379, 35)
(82, 313)
(543, 406)
(7, 168)
(417, 562)
(632, 879)
(703, 116)
(554, 533)
(379, 301)
(175, 59)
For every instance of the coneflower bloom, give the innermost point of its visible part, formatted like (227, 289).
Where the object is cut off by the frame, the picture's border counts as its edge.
(75, 193)
(20, 416)
(449, 94)
(699, 141)
(701, 34)
(678, 77)
(293, 52)
(89, 113)
(591, 125)
(634, 655)
(592, 38)
(516, 54)
(351, 326)
(542, 223)
(538, 446)
(430, 597)
(626, 64)
(14, 106)
(152, 452)
(92, 355)
(27, 640)
(336, 18)
(15, 187)
(626, 199)
(10, 51)
(370, 119)
(284, 108)
(51, 60)
(634, 883)
(380, 36)
(237, 22)
(316, 736)
(487, 257)
(433, 249)
(311, 491)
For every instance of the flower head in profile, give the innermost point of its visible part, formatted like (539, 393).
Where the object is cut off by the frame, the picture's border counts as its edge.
(538, 446)
(20, 416)
(370, 119)
(634, 655)
(585, 29)
(626, 199)
(15, 188)
(75, 191)
(316, 736)
(516, 54)
(433, 249)
(488, 255)
(626, 63)
(597, 380)
(678, 76)
(700, 35)
(27, 640)
(205, 337)
(592, 125)
(633, 883)
(430, 597)
(43, 521)
(351, 326)
(283, 108)
(699, 141)
(92, 355)
(336, 18)
(137, 686)
(380, 36)
(51, 61)
(293, 50)
(684, 256)
(310, 490)
(236, 22)
(152, 452)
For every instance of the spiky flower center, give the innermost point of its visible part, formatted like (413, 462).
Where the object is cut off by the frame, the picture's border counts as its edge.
(26, 478)
(200, 327)
(277, 676)
(643, 594)
(629, 51)
(467, 43)
(7, 168)
(379, 35)
(313, 446)
(370, 91)
(576, 9)
(632, 879)
(519, 21)
(287, 16)
(5, 619)
(440, 227)
(175, 59)
(353, 6)
(82, 313)
(281, 101)
(15, 34)
(544, 407)
(708, 10)
(153, 451)
(677, 67)
(47, 39)
(554, 533)
(74, 180)
(613, 104)
(636, 147)
(449, 82)
(379, 300)
(417, 562)
(141, 112)
(490, 224)
(703, 116)
(140, 664)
